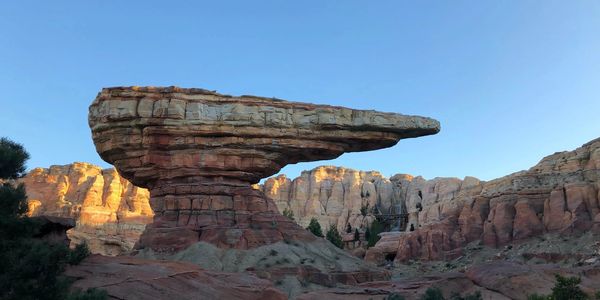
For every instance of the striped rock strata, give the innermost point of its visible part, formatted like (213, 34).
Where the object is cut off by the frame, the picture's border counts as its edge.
(198, 152)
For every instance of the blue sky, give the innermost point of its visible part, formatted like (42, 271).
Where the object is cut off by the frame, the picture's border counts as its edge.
(510, 81)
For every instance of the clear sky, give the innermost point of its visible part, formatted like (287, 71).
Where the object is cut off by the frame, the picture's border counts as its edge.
(510, 81)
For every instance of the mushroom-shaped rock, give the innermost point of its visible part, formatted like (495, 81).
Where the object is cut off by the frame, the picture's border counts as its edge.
(198, 152)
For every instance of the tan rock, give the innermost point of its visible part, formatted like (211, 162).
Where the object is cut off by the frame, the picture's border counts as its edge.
(110, 212)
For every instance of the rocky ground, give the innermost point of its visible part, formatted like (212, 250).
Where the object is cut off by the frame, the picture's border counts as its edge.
(555, 249)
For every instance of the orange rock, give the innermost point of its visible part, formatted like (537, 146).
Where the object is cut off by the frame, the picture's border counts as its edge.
(110, 212)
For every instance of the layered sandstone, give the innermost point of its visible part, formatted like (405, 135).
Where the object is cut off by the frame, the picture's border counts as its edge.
(561, 194)
(198, 152)
(110, 212)
(335, 196)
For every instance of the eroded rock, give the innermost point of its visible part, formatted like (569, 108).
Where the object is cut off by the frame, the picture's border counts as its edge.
(198, 152)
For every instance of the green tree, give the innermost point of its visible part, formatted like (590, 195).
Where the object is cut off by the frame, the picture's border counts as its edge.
(315, 227)
(12, 159)
(374, 231)
(288, 213)
(333, 235)
(29, 268)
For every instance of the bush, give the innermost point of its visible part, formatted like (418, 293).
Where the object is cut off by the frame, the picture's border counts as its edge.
(315, 227)
(364, 209)
(333, 235)
(78, 254)
(537, 297)
(288, 213)
(356, 234)
(394, 296)
(474, 296)
(565, 289)
(89, 294)
(432, 293)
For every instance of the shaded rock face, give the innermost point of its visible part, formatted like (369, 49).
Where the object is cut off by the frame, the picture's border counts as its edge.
(110, 212)
(126, 277)
(198, 152)
(559, 194)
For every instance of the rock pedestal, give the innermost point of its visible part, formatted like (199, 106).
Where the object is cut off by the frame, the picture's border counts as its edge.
(198, 152)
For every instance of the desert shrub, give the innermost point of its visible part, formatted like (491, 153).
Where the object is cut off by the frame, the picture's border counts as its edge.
(333, 235)
(432, 293)
(475, 296)
(89, 294)
(315, 227)
(78, 254)
(394, 296)
(364, 209)
(565, 288)
(537, 297)
(288, 213)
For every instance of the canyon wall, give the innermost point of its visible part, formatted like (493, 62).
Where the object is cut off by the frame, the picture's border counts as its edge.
(560, 194)
(110, 212)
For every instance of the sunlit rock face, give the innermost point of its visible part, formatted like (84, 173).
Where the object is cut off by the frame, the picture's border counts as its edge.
(110, 212)
(560, 194)
(198, 152)
(335, 196)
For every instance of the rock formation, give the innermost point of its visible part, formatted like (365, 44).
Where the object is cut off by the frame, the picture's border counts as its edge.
(110, 212)
(198, 152)
(560, 194)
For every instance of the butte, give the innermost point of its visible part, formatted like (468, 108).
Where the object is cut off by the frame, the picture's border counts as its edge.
(199, 153)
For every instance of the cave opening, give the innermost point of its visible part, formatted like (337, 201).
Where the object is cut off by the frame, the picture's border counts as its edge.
(390, 257)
